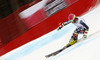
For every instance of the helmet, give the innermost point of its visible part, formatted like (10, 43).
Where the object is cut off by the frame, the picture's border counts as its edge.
(71, 17)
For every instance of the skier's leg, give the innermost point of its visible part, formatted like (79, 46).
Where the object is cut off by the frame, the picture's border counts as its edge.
(74, 37)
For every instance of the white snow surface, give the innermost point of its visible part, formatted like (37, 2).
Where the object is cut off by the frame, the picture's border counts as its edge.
(88, 49)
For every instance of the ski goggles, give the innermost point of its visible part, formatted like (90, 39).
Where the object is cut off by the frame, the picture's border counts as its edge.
(73, 18)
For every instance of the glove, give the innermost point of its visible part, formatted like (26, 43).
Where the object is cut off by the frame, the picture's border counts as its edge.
(61, 25)
(84, 36)
(59, 28)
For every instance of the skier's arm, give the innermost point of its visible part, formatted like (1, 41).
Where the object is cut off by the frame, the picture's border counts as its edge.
(63, 24)
(86, 27)
(67, 22)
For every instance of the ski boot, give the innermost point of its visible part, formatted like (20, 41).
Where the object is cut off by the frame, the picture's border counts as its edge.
(71, 43)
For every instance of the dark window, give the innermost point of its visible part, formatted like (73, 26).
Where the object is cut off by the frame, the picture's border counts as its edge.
(9, 6)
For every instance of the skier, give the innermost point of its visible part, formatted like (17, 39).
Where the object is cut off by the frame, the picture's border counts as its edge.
(82, 28)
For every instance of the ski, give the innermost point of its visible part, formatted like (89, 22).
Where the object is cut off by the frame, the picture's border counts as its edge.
(57, 52)
(68, 45)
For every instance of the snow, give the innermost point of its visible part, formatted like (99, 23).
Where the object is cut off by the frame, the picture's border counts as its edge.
(88, 49)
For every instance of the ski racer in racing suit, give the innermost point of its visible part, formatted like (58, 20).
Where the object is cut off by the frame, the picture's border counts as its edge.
(82, 28)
